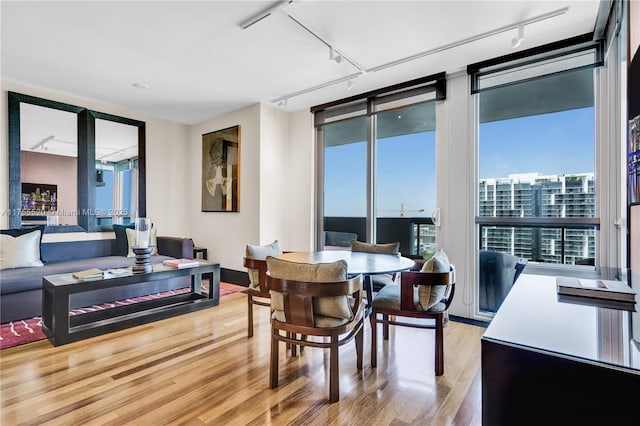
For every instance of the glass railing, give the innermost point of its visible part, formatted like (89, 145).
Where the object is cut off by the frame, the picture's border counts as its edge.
(564, 241)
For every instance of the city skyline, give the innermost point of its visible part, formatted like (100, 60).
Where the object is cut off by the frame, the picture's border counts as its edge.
(554, 143)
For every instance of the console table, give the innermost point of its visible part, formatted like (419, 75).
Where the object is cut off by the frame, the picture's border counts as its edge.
(62, 328)
(546, 361)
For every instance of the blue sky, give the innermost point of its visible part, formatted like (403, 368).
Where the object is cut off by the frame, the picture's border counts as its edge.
(561, 142)
(553, 143)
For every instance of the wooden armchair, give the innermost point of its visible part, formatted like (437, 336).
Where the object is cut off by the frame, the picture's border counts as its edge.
(378, 280)
(404, 301)
(308, 310)
(256, 294)
(258, 291)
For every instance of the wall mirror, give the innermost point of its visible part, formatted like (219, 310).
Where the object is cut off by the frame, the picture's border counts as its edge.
(117, 164)
(59, 157)
(49, 166)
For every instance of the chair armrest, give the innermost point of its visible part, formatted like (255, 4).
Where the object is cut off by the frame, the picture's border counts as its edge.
(519, 268)
(180, 248)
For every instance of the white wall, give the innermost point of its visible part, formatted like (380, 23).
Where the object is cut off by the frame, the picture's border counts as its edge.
(226, 234)
(274, 166)
(300, 182)
(456, 169)
(165, 162)
(276, 184)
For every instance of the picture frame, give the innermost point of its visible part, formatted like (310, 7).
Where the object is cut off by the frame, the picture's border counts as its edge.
(221, 170)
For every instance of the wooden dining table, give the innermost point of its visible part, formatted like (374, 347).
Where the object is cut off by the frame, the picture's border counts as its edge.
(358, 263)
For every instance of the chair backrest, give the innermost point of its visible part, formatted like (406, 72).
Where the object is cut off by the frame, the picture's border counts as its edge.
(339, 239)
(387, 248)
(409, 279)
(300, 297)
(257, 269)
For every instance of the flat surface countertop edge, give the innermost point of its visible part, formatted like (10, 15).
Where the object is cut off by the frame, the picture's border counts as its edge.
(532, 317)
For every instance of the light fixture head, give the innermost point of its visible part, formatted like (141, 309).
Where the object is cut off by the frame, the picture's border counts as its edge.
(141, 86)
(334, 55)
(349, 84)
(282, 103)
(517, 41)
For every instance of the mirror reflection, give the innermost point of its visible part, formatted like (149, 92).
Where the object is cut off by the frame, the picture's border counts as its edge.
(116, 172)
(49, 172)
(73, 169)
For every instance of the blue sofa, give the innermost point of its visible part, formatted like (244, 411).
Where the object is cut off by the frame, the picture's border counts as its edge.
(21, 288)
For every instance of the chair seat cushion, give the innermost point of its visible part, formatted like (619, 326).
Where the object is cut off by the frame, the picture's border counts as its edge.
(381, 280)
(389, 298)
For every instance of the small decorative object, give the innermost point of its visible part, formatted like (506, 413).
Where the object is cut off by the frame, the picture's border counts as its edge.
(221, 170)
(142, 247)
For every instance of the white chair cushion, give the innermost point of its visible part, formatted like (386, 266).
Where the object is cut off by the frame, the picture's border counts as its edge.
(260, 252)
(429, 296)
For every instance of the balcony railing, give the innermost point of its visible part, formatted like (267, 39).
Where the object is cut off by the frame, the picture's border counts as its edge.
(551, 240)
(416, 235)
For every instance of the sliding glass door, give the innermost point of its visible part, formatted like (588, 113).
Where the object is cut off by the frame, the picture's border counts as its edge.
(405, 178)
(376, 167)
(345, 182)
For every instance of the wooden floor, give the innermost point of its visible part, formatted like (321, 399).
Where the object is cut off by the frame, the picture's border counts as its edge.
(201, 369)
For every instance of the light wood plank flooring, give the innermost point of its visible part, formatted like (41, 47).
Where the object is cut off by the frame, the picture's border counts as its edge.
(201, 369)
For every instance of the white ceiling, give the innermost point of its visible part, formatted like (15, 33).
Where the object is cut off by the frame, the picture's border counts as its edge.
(199, 63)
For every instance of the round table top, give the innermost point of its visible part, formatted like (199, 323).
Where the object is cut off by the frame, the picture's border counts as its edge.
(357, 262)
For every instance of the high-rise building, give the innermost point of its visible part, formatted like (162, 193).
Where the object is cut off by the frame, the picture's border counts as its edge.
(534, 195)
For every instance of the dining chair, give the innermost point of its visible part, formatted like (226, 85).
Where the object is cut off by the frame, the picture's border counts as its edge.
(378, 280)
(315, 305)
(258, 291)
(425, 295)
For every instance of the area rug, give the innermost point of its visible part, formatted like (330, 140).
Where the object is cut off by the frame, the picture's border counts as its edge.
(29, 330)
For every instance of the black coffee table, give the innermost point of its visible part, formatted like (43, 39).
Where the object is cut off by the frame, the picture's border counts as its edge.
(62, 328)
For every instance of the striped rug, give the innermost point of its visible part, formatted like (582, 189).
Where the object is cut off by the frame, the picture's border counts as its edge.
(29, 330)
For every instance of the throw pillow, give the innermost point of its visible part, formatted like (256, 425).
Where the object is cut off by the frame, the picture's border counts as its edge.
(389, 248)
(20, 252)
(331, 306)
(430, 295)
(21, 231)
(122, 243)
(131, 240)
(260, 252)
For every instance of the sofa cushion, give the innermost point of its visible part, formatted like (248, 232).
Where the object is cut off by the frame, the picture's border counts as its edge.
(122, 245)
(21, 251)
(21, 231)
(24, 279)
(131, 240)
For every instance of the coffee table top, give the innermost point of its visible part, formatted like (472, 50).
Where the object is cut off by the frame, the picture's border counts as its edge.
(68, 279)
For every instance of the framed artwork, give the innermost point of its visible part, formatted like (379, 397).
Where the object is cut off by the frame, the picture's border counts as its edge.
(221, 170)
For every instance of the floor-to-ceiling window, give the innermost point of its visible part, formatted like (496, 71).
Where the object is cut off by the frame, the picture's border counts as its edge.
(536, 166)
(405, 177)
(376, 167)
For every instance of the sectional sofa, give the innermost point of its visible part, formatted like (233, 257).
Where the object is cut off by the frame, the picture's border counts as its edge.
(21, 288)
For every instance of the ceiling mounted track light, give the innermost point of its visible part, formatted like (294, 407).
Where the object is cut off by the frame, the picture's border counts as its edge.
(338, 56)
(517, 41)
(334, 55)
(260, 16)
